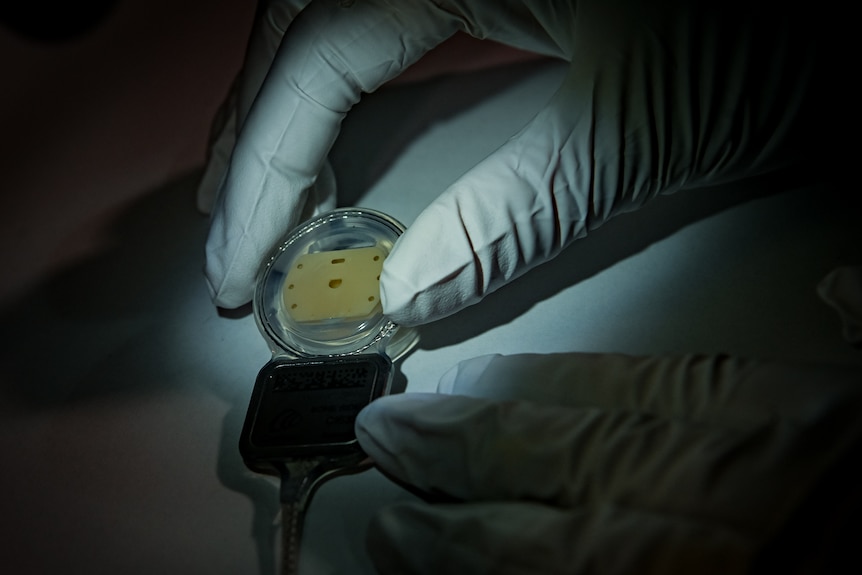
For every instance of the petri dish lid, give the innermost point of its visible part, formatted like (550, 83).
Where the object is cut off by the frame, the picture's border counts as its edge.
(318, 293)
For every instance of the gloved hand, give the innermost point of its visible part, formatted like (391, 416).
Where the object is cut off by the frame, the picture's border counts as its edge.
(659, 96)
(615, 464)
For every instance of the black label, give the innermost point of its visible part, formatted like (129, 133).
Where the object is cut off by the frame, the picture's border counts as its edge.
(321, 377)
(313, 404)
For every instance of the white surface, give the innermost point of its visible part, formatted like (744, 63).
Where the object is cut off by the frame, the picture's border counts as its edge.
(123, 389)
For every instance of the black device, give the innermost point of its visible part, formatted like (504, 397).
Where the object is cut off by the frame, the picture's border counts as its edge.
(306, 408)
(299, 426)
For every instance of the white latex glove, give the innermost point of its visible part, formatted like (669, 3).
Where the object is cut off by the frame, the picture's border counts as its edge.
(659, 95)
(616, 464)
(271, 21)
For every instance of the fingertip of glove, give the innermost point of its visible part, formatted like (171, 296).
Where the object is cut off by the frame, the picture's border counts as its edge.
(411, 307)
(223, 296)
(227, 289)
(389, 429)
(461, 378)
(397, 298)
(371, 426)
(418, 286)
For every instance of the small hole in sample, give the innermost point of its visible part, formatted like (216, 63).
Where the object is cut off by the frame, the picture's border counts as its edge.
(291, 285)
(299, 266)
(293, 306)
(378, 278)
(338, 261)
(376, 258)
(371, 298)
(334, 283)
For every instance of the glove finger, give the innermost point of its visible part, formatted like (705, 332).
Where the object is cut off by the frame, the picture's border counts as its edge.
(331, 55)
(709, 389)
(651, 104)
(270, 23)
(530, 538)
(477, 449)
(499, 220)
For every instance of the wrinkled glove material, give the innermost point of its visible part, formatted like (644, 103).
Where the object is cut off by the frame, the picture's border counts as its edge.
(606, 463)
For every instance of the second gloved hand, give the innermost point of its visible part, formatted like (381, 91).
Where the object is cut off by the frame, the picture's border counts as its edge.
(615, 464)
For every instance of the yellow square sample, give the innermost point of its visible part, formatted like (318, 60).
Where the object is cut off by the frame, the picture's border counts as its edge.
(335, 284)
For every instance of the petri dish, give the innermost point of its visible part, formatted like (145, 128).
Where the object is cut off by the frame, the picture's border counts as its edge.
(317, 295)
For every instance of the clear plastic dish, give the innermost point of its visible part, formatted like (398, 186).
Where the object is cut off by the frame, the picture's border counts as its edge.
(288, 315)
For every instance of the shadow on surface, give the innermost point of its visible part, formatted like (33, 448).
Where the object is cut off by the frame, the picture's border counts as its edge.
(94, 326)
(134, 319)
(262, 491)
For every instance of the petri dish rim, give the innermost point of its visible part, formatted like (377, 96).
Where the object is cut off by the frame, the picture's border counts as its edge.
(341, 228)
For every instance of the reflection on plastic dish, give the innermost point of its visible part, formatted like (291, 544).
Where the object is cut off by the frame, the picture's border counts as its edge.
(318, 294)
